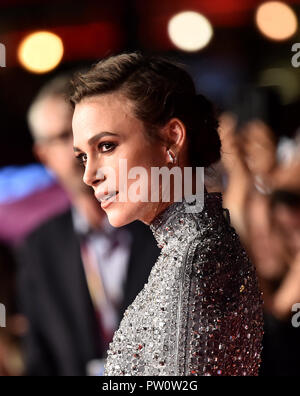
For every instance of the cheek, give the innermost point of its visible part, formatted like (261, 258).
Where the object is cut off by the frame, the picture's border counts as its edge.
(144, 160)
(146, 157)
(55, 155)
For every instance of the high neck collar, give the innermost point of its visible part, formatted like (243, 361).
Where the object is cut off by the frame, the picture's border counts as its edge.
(175, 222)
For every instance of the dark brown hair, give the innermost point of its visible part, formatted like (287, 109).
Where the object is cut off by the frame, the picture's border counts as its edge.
(160, 90)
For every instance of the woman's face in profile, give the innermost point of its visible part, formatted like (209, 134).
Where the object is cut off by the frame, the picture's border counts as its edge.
(106, 131)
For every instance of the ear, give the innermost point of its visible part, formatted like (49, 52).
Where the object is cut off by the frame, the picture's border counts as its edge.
(175, 135)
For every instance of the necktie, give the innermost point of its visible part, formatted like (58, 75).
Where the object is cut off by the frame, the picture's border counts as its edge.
(97, 290)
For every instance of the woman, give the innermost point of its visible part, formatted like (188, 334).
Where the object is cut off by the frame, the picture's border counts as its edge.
(200, 312)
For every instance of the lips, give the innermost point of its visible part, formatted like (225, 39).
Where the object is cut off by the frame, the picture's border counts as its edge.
(106, 199)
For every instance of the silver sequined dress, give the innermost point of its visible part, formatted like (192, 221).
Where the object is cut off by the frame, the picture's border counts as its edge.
(200, 313)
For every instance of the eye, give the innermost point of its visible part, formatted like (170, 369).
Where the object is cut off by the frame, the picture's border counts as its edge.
(106, 146)
(82, 158)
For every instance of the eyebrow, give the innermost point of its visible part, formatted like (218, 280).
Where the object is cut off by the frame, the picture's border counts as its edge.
(96, 137)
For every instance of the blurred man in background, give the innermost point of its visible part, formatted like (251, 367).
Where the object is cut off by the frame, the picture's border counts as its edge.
(77, 274)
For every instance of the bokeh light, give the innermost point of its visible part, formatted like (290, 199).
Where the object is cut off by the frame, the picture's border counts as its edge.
(190, 31)
(276, 20)
(40, 52)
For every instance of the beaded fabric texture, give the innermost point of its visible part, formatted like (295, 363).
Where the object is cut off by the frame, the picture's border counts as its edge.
(200, 313)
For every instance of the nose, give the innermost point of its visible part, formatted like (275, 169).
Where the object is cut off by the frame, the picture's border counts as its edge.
(92, 175)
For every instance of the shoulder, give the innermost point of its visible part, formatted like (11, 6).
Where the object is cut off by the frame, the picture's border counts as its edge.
(222, 271)
(219, 250)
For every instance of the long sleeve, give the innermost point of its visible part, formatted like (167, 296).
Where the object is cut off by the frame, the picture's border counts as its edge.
(222, 331)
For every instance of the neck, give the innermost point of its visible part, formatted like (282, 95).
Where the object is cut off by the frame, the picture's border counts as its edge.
(177, 222)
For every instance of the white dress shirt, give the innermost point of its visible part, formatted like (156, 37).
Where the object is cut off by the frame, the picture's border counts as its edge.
(110, 248)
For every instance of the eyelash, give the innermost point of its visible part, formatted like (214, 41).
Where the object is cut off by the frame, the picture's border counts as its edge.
(107, 143)
(81, 156)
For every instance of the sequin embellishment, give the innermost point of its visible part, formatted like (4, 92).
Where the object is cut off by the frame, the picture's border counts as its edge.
(200, 313)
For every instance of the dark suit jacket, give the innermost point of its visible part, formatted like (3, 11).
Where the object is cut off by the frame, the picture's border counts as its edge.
(53, 294)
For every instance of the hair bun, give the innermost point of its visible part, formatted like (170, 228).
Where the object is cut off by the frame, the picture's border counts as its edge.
(205, 147)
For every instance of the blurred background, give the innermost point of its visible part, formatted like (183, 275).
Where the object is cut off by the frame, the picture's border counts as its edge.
(242, 55)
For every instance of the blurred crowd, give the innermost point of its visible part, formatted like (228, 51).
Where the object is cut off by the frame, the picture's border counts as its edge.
(63, 304)
(263, 196)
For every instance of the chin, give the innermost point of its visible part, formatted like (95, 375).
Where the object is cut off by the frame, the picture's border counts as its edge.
(121, 214)
(117, 217)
